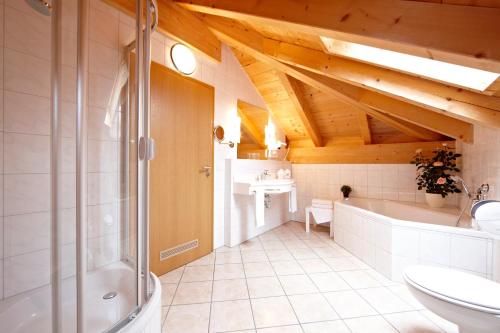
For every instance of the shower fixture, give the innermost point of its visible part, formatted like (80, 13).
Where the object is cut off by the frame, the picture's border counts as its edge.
(41, 6)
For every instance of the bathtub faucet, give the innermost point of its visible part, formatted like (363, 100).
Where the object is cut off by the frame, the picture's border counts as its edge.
(479, 195)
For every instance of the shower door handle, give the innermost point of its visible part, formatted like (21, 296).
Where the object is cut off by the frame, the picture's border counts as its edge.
(206, 170)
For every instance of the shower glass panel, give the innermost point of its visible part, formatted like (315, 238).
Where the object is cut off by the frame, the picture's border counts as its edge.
(70, 224)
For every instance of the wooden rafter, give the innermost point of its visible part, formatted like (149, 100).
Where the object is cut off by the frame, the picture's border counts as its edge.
(424, 29)
(406, 128)
(434, 96)
(251, 43)
(377, 153)
(179, 24)
(303, 110)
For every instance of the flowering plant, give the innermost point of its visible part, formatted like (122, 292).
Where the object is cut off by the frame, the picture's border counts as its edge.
(434, 174)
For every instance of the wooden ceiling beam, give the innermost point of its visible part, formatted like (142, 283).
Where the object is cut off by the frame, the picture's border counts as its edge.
(251, 43)
(301, 107)
(456, 102)
(181, 25)
(406, 128)
(249, 127)
(451, 127)
(394, 153)
(427, 30)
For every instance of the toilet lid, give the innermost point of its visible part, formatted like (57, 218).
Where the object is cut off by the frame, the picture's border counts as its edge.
(456, 285)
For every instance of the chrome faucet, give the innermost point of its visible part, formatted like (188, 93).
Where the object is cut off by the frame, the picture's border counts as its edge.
(480, 194)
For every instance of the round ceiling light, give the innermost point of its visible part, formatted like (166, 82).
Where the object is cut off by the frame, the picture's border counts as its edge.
(183, 59)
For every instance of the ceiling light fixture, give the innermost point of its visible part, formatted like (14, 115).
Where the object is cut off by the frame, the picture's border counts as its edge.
(183, 59)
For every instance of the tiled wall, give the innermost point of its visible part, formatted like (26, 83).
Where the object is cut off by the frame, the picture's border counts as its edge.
(376, 181)
(481, 160)
(25, 136)
(25, 90)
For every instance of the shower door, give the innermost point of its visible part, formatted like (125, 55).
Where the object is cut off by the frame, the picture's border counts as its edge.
(66, 227)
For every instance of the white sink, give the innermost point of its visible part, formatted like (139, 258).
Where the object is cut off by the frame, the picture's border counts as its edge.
(268, 186)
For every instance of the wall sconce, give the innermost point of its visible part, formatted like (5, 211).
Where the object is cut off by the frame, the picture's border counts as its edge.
(183, 59)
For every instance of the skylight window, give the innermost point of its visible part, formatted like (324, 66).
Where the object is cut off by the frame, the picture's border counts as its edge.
(457, 75)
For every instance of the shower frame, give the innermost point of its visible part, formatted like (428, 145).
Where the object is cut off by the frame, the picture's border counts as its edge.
(144, 26)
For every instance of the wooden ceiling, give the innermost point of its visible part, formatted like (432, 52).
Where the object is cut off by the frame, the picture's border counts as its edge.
(324, 102)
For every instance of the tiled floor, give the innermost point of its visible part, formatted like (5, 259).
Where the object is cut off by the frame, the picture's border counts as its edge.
(286, 281)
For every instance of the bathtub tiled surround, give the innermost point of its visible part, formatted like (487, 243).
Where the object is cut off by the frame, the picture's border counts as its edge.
(288, 281)
(375, 181)
(389, 245)
(240, 209)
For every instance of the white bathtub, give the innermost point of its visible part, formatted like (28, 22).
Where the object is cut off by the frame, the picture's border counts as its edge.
(30, 312)
(390, 235)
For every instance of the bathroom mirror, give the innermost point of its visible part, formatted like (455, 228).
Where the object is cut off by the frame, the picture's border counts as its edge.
(219, 133)
(254, 120)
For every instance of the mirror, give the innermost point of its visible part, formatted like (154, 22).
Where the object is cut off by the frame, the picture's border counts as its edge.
(253, 143)
(219, 136)
(219, 133)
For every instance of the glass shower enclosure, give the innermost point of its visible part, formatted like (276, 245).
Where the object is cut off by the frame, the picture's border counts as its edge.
(74, 97)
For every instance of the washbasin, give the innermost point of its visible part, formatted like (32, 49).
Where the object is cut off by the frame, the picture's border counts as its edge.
(267, 185)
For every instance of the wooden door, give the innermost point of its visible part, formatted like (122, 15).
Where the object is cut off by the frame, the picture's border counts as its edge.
(181, 196)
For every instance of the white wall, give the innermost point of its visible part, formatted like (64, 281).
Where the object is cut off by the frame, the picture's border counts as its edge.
(231, 83)
(240, 208)
(481, 160)
(375, 181)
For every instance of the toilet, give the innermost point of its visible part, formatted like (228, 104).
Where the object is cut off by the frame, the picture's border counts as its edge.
(470, 301)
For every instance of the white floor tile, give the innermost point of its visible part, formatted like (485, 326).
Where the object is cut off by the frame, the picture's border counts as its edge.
(172, 276)
(349, 304)
(281, 329)
(228, 290)
(206, 260)
(305, 253)
(228, 258)
(277, 255)
(329, 281)
(383, 300)
(167, 293)
(412, 322)
(273, 311)
(297, 284)
(264, 287)
(229, 271)
(193, 292)
(336, 326)
(311, 308)
(254, 256)
(287, 267)
(359, 279)
(314, 265)
(375, 324)
(198, 273)
(231, 316)
(192, 318)
(258, 269)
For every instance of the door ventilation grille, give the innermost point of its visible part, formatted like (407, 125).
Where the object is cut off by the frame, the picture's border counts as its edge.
(173, 251)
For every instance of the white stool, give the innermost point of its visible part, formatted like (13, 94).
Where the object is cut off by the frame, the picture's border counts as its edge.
(321, 214)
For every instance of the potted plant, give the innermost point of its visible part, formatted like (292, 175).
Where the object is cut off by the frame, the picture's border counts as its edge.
(346, 190)
(434, 174)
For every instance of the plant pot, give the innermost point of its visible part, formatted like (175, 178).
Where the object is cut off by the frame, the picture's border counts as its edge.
(435, 200)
